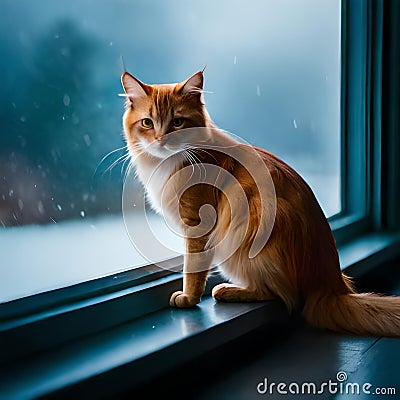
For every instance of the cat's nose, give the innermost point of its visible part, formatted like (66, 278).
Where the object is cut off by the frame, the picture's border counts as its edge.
(162, 140)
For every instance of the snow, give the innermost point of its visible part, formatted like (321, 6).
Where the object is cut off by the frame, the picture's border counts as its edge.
(87, 140)
(41, 258)
(66, 100)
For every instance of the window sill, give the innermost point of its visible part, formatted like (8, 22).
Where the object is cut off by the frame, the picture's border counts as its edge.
(141, 349)
(135, 352)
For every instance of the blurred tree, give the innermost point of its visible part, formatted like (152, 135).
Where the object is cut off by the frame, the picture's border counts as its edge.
(51, 139)
(59, 111)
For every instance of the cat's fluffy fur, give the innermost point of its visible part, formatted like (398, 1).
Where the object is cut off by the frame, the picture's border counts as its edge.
(299, 262)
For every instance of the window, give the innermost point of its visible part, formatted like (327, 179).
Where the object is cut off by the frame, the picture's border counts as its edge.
(61, 149)
(364, 214)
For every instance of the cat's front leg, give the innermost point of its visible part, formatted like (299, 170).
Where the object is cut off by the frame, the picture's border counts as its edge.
(197, 263)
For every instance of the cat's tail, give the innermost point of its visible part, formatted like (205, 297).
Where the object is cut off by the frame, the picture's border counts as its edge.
(361, 314)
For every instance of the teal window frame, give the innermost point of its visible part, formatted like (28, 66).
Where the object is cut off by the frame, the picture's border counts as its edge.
(368, 122)
(367, 229)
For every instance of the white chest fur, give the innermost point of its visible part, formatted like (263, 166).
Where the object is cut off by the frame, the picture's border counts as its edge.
(154, 174)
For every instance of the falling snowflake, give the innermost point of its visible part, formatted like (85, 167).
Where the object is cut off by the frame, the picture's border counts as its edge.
(66, 100)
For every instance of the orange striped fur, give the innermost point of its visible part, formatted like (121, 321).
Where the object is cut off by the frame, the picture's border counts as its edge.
(299, 263)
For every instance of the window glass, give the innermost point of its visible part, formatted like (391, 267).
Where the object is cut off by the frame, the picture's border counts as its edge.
(273, 73)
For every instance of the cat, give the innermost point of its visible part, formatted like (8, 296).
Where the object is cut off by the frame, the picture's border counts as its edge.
(168, 129)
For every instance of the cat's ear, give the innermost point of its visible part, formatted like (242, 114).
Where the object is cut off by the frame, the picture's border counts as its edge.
(193, 86)
(134, 88)
(195, 82)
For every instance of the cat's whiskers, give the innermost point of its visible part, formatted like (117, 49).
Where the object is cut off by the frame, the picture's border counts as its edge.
(136, 150)
(198, 162)
(195, 161)
(207, 152)
(108, 155)
(123, 158)
(192, 150)
(128, 169)
(186, 158)
(127, 159)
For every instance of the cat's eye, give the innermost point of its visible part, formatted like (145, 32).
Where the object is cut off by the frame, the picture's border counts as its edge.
(147, 123)
(177, 122)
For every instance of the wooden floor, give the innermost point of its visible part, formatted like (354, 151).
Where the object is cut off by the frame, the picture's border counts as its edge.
(296, 354)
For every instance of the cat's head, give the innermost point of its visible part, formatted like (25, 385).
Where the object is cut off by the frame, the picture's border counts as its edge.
(153, 112)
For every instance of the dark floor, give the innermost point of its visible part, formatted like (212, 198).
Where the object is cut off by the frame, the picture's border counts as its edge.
(294, 353)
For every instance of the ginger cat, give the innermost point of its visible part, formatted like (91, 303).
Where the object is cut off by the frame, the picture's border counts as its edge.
(168, 129)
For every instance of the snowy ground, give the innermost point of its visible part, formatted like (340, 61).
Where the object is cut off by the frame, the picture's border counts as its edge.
(40, 258)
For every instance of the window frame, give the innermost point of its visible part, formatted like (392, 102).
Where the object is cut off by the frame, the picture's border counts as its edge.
(368, 120)
(357, 91)
(369, 127)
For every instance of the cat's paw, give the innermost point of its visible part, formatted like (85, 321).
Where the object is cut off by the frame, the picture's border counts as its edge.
(222, 292)
(182, 300)
(233, 293)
